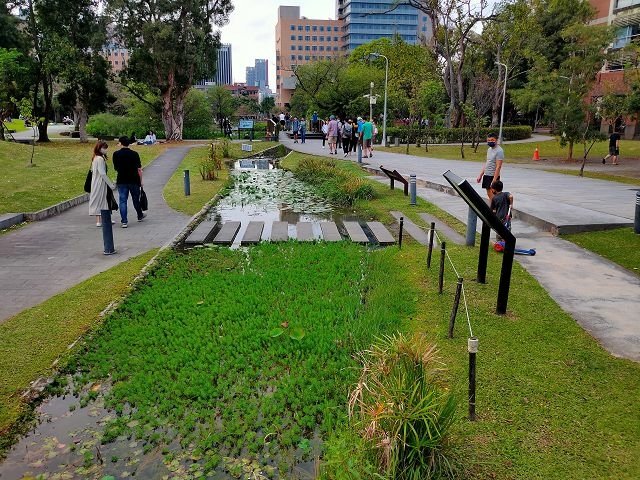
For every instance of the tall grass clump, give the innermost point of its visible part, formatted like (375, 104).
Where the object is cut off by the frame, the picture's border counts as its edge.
(341, 187)
(401, 409)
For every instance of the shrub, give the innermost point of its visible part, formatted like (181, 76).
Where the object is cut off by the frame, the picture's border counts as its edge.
(210, 164)
(400, 408)
(453, 135)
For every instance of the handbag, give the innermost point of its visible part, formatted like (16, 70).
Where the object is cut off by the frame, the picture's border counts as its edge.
(87, 182)
(144, 203)
(111, 200)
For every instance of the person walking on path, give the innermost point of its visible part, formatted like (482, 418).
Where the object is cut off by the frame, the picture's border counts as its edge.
(303, 130)
(355, 134)
(100, 182)
(491, 169)
(315, 123)
(325, 130)
(127, 164)
(332, 134)
(614, 148)
(295, 125)
(367, 139)
(347, 130)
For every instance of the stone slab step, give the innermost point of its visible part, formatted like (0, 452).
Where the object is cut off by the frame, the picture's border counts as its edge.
(381, 233)
(304, 232)
(330, 232)
(280, 231)
(253, 233)
(355, 232)
(445, 229)
(227, 233)
(412, 229)
(202, 233)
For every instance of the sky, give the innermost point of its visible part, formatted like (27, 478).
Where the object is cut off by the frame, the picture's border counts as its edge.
(251, 31)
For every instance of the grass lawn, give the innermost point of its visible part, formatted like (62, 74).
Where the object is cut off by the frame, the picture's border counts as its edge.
(33, 339)
(61, 167)
(202, 190)
(621, 246)
(16, 125)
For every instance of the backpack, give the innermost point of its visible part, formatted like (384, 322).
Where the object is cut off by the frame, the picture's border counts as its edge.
(346, 130)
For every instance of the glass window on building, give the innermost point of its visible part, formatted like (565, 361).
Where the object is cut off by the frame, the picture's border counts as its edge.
(293, 37)
(314, 57)
(299, 47)
(315, 28)
(314, 38)
(307, 48)
(335, 29)
(321, 28)
(293, 57)
(299, 57)
(322, 48)
(307, 38)
(299, 28)
(307, 28)
(300, 37)
(314, 48)
(322, 38)
(335, 39)
(293, 47)
(293, 27)
(335, 49)
(625, 35)
(306, 57)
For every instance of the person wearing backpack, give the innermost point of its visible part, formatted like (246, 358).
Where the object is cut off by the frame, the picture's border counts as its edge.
(347, 131)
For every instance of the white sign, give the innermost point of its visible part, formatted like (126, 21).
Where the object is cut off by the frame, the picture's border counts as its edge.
(247, 147)
(245, 124)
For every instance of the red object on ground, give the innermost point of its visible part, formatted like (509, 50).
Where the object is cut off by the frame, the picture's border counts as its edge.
(536, 154)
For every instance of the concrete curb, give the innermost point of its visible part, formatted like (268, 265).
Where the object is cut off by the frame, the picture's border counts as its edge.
(8, 220)
(56, 209)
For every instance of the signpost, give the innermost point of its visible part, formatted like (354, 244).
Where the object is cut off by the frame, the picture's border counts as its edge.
(489, 221)
(246, 125)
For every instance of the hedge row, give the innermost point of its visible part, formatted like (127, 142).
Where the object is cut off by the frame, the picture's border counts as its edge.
(109, 125)
(453, 135)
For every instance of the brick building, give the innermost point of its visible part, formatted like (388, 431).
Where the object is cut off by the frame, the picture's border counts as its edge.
(300, 40)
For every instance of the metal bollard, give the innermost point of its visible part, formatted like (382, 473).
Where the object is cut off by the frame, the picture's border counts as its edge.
(412, 188)
(388, 144)
(472, 222)
(456, 304)
(443, 254)
(396, 142)
(107, 232)
(636, 227)
(187, 183)
(359, 152)
(400, 234)
(432, 234)
(472, 346)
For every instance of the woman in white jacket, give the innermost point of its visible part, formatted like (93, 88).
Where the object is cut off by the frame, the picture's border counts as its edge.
(99, 182)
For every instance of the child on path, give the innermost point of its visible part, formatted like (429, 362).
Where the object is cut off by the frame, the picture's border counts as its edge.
(501, 204)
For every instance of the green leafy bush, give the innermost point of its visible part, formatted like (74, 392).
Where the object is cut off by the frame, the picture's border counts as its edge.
(107, 124)
(339, 186)
(454, 135)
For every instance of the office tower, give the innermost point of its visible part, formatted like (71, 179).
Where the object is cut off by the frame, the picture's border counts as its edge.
(223, 66)
(250, 78)
(262, 72)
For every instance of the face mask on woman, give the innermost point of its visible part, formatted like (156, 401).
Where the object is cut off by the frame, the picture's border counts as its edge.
(103, 151)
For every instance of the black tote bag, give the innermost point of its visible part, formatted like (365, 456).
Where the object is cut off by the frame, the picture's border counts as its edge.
(87, 182)
(111, 200)
(144, 203)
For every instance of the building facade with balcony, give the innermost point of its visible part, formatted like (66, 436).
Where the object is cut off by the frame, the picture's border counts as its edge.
(624, 16)
(300, 40)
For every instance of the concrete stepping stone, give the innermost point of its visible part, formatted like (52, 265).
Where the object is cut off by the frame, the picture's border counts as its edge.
(355, 232)
(304, 232)
(280, 231)
(381, 233)
(412, 229)
(201, 234)
(444, 229)
(253, 233)
(227, 233)
(330, 232)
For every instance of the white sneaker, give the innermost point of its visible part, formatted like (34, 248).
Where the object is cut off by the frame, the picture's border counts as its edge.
(98, 224)
(124, 225)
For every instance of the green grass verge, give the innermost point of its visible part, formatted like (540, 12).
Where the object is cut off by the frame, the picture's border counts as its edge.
(33, 339)
(518, 152)
(621, 246)
(201, 190)
(16, 125)
(61, 167)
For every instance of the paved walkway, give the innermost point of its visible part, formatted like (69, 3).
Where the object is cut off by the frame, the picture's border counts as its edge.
(45, 258)
(602, 297)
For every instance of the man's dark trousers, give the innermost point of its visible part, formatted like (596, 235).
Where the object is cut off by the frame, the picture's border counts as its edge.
(123, 193)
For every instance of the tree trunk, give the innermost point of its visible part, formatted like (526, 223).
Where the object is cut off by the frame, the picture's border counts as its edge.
(83, 118)
(43, 135)
(570, 157)
(173, 114)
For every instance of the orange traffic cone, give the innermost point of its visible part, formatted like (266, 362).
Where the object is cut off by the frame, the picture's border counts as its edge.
(536, 154)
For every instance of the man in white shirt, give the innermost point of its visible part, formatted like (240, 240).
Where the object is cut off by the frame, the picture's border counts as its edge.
(491, 169)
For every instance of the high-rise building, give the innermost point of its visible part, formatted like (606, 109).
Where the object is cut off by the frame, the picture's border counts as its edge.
(223, 67)
(363, 22)
(624, 16)
(262, 72)
(116, 55)
(251, 76)
(301, 40)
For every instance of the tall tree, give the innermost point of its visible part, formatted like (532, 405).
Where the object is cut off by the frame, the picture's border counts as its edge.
(222, 103)
(172, 45)
(77, 35)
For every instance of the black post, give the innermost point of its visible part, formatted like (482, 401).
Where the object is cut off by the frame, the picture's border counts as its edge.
(400, 234)
(484, 253)
(505, 276)
(472, 346)
(187, 183)
(107, 232)
(636, 225)
(443, 253)
(432, 233)
(456, 304)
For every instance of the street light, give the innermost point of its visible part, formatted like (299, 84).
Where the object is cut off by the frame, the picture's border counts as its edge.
(384, 112)
(504, 94)
(371, 100)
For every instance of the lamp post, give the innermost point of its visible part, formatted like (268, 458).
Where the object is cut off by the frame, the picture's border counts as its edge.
(384, 112)
(504, 94)
(371, 101)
